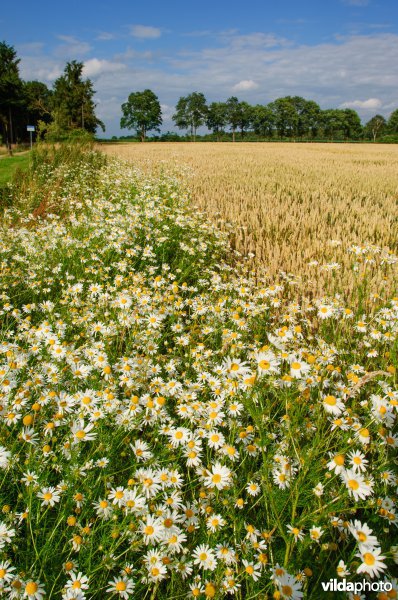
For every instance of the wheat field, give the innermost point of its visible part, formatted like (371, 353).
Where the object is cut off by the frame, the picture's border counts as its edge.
(298, 207)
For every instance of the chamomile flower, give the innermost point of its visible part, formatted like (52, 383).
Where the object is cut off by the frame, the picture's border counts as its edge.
(204, 556)
(121, 586)
(372, 562)
(357, 485)
(33, 590)
(218, 477)
(49, 495)
(363, 534)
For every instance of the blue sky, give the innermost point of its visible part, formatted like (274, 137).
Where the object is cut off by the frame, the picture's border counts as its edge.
(341, 53)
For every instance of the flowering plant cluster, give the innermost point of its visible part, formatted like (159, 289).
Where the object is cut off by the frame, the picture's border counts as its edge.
(171, 424)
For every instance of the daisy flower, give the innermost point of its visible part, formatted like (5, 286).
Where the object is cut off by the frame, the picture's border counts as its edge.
(372, 562)
(234, 367)
(296, 532)
(325, 311)
(214, 523)
(358, 461)
(121, 586)
(363, 534)
(357, 486)
(5, 456)
(266, 363)
(6, 572)
(336, 464)
(81, 432)
(219, 477)
(253, 489)
(77, 582)
(252, 569)
(49, 495)
(289, 587)
(204, 556)
(157, 572)
(298, 368)
(333, 405)
(341, 569)
(152, 530)
(34, 590)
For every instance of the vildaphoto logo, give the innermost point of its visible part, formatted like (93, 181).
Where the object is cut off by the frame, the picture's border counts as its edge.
(338, 585)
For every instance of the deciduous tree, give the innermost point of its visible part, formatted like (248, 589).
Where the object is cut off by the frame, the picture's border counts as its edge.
(142, 111)
(191, 112)
(375, 127)
(217, 117)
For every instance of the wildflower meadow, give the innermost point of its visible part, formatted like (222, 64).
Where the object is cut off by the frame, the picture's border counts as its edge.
(172, 424)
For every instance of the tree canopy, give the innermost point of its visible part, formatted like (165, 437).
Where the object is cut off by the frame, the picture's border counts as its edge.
(10, 90)
(72, 101)
(191, 112)
(143, 112)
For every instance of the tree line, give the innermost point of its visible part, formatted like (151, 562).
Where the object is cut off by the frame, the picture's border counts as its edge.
(290, 117)
(66, 109)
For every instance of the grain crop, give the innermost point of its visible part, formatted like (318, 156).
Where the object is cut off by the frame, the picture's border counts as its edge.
(299, 208)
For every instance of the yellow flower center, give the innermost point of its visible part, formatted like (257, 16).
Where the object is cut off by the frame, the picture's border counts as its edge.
(330, 400)
(264, 364)
(120, 586)
(287, 590)
(369, 558)
(353, 484)
(31, 588)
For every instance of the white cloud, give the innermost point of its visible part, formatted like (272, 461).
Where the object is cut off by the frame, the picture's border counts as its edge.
(145, 32)
(370, 104)
(72, 48)
(167, 112)
(244, 85)
(40, 68)
(105, 36)
(360, 71)
(95, 67)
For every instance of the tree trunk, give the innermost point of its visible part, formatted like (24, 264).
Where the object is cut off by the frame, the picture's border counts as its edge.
(233, 135)
(10, 136)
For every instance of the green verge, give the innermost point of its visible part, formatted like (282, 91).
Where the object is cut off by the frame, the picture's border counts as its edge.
(10, 166)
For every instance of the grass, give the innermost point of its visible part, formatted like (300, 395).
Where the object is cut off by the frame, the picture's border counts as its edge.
(10, 165)
(172, 426)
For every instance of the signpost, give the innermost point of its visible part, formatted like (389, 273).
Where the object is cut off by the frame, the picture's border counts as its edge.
(31, 129)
